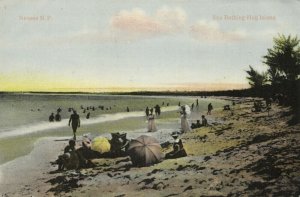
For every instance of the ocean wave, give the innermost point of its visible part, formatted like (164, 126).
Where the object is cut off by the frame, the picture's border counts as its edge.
(46, 126)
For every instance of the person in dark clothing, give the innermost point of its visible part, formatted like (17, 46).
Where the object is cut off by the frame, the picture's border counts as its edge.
(75, 158)
(51, 117)
(226, 107)
(116, 144)
(178, 149)
(58, 110)
(157, 110)
(75, 119)
(209, 108)
(70, 147)
(88, 115)
(127, 109)
(151, 111)
(196, 125)
(125, 142)
(197, 102)
(66, 156)
(268, 102)
(147, 111)
(204, 121)
(57, 117)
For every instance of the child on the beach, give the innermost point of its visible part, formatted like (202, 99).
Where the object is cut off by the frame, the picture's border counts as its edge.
(69, 153)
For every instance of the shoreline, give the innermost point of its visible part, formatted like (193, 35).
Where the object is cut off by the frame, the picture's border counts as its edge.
(106, 123)
(248, 154)
(32, 167)
(44, 125)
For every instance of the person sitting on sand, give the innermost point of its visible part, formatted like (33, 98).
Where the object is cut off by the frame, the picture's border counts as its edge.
(75, 158)
(70, 147)
(51, 117)
(196, 125)
(116, 145)
(75, 119)
(65, 158)
(257, 106)
(125, 142)
(57, 117)
(178, 149)
(226, 107)
(268, 101)
(204, 121)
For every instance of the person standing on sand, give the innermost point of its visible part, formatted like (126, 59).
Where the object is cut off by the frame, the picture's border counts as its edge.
(75, 119)
(151, 123)
(185, 127)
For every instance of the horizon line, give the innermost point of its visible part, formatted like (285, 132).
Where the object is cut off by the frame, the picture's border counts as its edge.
(123, 92)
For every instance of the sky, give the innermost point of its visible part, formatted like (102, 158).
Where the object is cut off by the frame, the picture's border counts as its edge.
(129, 45)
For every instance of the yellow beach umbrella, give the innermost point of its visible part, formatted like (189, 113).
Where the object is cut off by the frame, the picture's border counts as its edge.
(101, 145)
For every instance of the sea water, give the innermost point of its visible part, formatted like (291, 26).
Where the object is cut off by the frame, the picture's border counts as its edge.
(24, 117)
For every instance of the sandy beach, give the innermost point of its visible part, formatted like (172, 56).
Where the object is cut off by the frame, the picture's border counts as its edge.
(241, 154)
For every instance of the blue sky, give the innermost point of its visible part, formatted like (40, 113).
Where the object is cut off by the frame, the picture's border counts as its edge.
(153, 45)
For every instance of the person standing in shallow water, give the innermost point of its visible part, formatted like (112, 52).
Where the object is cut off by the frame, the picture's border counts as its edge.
(51, 117)
(75, 119)
(147, 111)
(209, 108)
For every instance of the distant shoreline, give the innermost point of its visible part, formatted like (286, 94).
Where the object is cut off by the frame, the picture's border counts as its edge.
(236, 93)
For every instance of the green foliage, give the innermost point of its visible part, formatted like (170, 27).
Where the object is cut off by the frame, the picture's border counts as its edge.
(283, 59)
(256, 79)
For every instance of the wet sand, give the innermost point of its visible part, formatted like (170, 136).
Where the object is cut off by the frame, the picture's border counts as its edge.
(242, 154)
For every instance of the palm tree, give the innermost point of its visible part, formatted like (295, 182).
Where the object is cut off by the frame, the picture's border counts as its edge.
(284, 69)
(284, 58)
(256, 80)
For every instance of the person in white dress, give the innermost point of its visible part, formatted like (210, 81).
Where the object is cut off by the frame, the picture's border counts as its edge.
(185, 127)
(151, 123)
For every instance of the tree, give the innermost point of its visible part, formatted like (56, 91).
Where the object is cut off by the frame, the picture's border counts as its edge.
(256, 80)
(284, 59)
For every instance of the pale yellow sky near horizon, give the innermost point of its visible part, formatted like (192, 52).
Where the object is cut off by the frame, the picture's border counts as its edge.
(107, 46)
